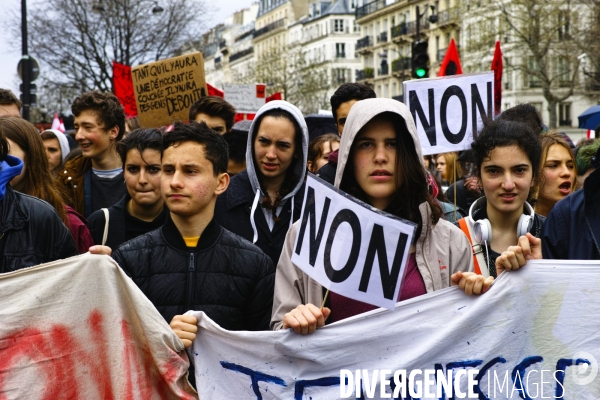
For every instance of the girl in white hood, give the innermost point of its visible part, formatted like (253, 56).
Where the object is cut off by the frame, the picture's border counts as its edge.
(261, 203)
(380, 162)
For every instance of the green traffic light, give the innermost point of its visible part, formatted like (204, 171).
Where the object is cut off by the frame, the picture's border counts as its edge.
(420, 72)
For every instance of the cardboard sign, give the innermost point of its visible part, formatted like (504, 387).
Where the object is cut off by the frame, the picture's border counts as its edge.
(124, 88)
(113, 345)
(350, 247)
(448, 110)
(245, 98)
(533, 335)
(165, 90)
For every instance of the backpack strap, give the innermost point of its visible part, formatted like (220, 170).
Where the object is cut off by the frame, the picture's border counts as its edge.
(478, 258)
(105, 234)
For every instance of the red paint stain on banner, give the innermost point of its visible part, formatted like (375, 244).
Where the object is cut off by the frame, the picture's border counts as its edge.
(65, 363)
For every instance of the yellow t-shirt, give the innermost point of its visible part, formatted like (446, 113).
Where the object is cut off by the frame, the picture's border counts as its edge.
(191, 241)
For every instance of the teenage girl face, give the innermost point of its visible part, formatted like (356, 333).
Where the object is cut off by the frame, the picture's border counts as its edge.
(507, 177)
(142, 176)
(326, 149)
(274, 147)
(374, 160)
(440, 165)
(559, 174)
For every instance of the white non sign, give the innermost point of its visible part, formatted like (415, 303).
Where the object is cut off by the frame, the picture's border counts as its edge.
(243, 97)
(350, 247)
(448, 110)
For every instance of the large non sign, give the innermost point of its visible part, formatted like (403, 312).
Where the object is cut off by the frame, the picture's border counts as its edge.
(350, 247)
(448, 110)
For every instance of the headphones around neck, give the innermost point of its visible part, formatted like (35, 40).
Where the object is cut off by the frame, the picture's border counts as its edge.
(482, 229)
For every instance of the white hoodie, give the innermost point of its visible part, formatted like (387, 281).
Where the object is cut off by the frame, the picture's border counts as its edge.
(441, 249)
(300, 167)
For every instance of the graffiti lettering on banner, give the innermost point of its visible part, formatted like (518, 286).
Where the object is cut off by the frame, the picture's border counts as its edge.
(350, 247)
(449, 110)
(166, 89)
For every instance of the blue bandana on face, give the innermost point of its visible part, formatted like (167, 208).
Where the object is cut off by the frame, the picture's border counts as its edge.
(9, 168)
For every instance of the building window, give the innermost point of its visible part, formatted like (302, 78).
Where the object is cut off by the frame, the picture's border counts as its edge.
(564, 71)
(534, 67)
(340, 50)
(338, 25)
(341, 75)
(564, 114)
(564, 25)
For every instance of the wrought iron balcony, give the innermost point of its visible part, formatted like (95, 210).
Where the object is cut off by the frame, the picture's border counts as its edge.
(400, 64)
(240, 54)
(367, 41)
(382, 37)
(370, 8)
(362, 74)
(268, 28)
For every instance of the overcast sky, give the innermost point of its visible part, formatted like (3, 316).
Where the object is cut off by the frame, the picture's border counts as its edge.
(9, 55)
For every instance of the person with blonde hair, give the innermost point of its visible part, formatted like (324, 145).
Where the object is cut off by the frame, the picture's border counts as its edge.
(449, 167)
(558, 173)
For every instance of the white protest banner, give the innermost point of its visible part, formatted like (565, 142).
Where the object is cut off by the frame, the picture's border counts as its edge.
(350, 247)
(448, 110)
(81, 329)
(528, 337)
(245, 98)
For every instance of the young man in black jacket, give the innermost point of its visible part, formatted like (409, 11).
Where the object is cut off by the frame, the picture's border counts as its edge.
(191, 263)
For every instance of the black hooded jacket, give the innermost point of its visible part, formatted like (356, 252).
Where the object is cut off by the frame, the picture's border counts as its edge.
(31, 233)
(228, 278)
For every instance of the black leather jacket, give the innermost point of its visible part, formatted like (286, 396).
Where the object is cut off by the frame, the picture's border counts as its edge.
(32, 232)
(229, 279)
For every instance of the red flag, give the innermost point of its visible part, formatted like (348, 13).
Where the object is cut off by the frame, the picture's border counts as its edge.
(497, 68)
(123, 86)
(451, 63)
(274, 96)
(213, 91)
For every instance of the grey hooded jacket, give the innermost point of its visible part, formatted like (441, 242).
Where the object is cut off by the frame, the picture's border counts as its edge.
(441, 249)
(238, 209)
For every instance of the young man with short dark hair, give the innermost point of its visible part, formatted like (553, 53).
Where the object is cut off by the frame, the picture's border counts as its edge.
(218, 114)
(95, 180)
(191, 262)
(10, 105)
(341, 102)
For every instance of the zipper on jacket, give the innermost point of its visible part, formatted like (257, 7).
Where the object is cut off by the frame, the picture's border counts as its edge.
(191, 279)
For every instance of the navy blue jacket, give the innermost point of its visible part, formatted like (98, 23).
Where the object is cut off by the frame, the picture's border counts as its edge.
(233, 209)
(572, 229)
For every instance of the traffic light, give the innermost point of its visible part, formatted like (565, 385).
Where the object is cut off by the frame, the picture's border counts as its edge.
(420, 59)
(32, 94)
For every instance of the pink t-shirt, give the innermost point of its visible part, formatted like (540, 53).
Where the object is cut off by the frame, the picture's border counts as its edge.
(412, 286)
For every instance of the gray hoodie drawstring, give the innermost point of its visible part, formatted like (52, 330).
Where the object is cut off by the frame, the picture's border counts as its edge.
(292, 216)
(254, 205)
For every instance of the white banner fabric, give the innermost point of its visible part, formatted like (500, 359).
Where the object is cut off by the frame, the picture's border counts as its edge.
(531, 325)
(81, 329)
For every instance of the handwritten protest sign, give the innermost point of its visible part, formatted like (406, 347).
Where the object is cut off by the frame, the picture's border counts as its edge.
(165, 90)
(123, 85)
(448, 110)
(533, 335)
(350, 247)
(81, 329)
(245, 98)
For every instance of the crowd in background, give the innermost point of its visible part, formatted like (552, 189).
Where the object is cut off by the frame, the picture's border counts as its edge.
(202, 216)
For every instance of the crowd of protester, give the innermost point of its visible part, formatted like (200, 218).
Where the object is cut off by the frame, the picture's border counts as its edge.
(203, 217)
